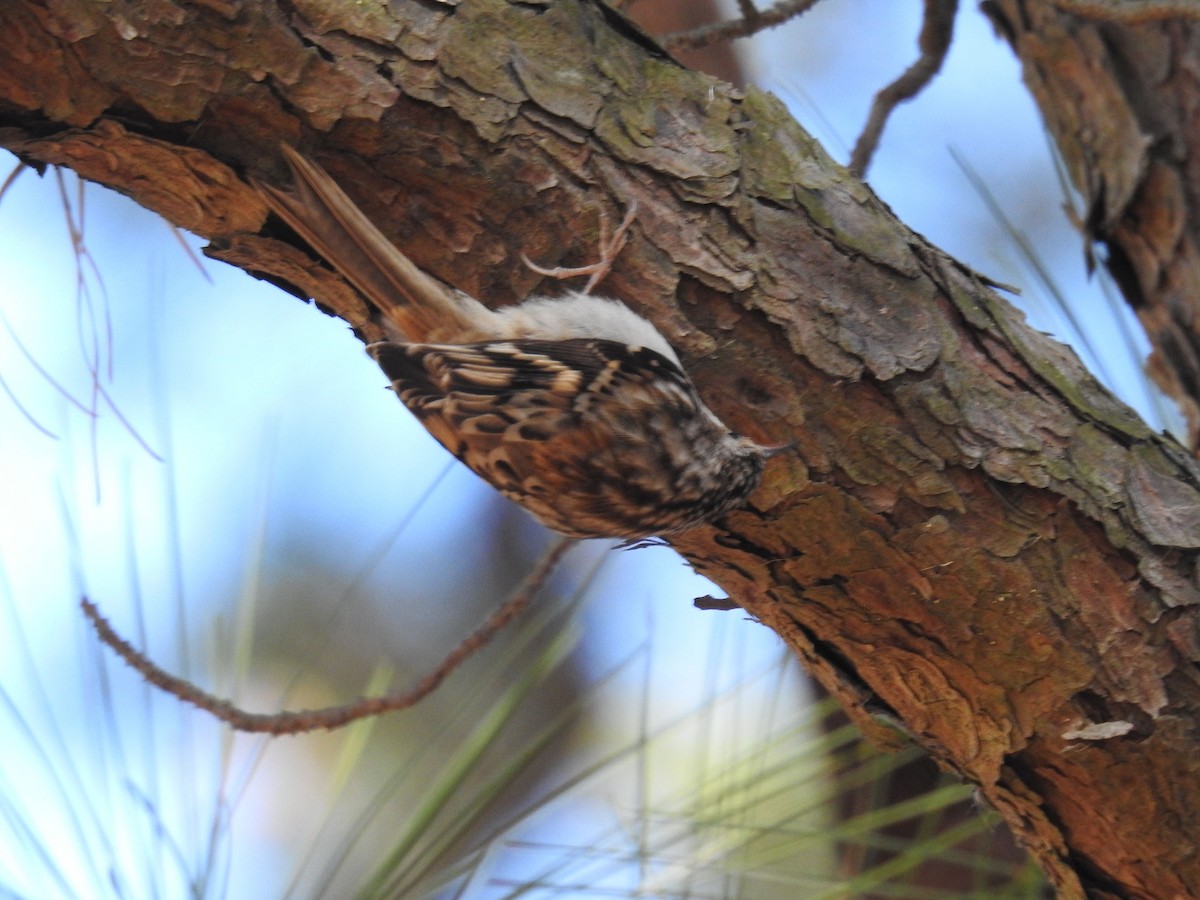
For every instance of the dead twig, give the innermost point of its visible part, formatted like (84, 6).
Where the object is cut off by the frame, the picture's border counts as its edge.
(937, 29)
(334, 716)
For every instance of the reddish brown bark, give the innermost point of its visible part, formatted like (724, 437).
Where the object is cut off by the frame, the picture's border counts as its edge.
(971, 540)
(1119, 90)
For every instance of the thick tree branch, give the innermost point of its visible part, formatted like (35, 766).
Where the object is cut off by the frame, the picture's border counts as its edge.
(972, 538)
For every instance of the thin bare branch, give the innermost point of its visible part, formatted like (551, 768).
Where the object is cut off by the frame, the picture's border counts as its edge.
(936, 31)
(41, 370)
(24, 411)
(334, 716)
(126, 424)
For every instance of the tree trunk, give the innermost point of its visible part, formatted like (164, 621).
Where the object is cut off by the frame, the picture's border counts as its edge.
(1118, 91)
(971, 540)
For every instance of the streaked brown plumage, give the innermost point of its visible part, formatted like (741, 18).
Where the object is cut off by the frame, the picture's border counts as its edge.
(574, 407)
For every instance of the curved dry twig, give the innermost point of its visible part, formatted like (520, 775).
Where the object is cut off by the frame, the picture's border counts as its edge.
(333, 716)
(937, 28)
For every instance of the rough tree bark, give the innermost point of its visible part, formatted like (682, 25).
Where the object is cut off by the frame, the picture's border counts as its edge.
(971, 539)
(1120, 92)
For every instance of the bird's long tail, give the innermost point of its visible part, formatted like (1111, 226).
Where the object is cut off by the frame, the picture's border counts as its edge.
(419, 306)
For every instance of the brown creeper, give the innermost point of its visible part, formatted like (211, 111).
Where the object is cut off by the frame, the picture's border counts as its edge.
(575, 407)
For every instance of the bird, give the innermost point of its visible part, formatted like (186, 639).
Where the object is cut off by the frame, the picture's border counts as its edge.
(575, 407)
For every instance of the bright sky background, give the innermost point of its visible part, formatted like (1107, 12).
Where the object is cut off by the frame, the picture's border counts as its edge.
(311, 468)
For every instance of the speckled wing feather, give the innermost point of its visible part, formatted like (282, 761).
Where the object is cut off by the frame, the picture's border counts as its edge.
(528, 390)
(537, 419)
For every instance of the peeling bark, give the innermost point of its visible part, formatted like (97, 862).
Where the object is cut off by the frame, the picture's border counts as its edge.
(1119, 90)
(972, 540)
